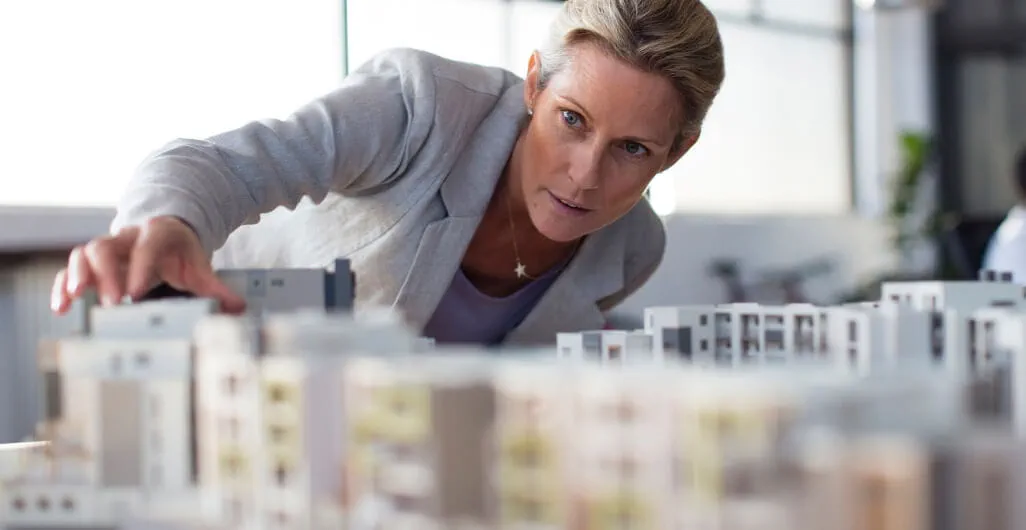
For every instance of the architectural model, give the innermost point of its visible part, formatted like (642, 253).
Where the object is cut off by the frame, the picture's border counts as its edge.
(904, 413)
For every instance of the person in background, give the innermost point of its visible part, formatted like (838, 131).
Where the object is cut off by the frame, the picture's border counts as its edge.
(486, 208)
(1006, 251)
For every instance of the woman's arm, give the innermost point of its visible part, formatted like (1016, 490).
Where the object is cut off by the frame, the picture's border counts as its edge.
(353, 140)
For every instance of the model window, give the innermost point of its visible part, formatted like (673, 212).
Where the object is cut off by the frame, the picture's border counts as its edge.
(704, 345)
(232, 463)
(615, 352)
(233, 507)
(142, 358)
(703, 320)
(156, 321)
(231, 385)
(277, 282)
(281, 473)
(278, 392)
(279, 434)
(68, 504)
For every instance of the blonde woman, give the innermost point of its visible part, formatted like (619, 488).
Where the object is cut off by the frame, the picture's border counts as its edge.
(485, 207)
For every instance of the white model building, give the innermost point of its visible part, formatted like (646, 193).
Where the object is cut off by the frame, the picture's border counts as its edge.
(120, 443)
(269, 399)
(993, 289)
(416, 443)
(173, 417)
(607, 345)
(532, 481)
(737, 334)
(620, 472)
(861, 338)
(275, 291)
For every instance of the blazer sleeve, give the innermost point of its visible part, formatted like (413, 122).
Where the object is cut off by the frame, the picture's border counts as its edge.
(354, 140)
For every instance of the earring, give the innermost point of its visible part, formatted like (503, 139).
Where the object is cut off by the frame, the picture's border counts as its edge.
(530, 112)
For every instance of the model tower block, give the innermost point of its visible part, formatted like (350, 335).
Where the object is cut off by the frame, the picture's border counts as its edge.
(532, 443)
(606, 345)
(120, 440)
(416, 450)
(624, 427)
(270, 411)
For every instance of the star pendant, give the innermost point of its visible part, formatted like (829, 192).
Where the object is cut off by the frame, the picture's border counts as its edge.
(520, 270)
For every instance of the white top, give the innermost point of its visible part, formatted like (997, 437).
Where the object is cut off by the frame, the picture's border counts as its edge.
(1007, 249)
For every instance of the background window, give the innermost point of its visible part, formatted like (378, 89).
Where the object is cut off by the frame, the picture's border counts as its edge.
(90, 88)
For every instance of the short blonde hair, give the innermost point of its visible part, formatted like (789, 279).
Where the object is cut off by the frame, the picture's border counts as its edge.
(679, 39)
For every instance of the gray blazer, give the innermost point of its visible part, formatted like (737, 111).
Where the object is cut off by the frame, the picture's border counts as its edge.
(393, 170)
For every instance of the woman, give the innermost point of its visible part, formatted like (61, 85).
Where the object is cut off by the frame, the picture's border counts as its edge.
(486, 208)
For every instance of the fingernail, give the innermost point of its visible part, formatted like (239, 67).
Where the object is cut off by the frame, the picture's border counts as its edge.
(108, 300)
(55, 302)
(73, 284)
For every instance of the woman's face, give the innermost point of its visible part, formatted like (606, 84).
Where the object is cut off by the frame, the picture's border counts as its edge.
(600, 131)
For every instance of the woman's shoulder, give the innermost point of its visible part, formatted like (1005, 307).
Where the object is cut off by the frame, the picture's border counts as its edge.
(645, 234)
(417, 63)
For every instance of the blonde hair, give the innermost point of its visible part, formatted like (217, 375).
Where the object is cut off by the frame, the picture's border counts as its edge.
(678, 39)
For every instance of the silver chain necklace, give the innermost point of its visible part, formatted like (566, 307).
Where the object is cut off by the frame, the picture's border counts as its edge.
(520, 270)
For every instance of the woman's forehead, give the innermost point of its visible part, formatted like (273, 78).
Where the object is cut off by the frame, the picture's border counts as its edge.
(610, 89)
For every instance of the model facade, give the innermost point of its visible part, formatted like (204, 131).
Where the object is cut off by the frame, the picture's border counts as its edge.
(904, 413)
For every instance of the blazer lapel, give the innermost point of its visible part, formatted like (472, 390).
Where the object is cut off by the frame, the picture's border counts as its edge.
(465, 193)
(571, 303)
(439, 253)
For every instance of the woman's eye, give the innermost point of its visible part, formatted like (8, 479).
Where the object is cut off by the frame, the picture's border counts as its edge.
(634, 148)
(571, 118)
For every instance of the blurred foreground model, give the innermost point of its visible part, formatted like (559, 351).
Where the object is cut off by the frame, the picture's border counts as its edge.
(902, 413)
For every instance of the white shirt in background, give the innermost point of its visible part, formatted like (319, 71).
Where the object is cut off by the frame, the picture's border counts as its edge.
(1006, 251)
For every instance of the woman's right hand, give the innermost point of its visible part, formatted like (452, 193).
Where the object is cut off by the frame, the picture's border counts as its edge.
(138, 258)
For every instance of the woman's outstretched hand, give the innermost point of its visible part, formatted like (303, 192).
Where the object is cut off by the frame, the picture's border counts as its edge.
(136, 259)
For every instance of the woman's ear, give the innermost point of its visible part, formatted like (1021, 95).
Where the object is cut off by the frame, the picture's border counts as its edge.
(531, 88)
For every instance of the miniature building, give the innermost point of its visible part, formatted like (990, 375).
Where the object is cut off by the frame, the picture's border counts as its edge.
(738, 333)
(532, 443)
(269, 291)
(860, 338)
(285, 290)
(780, 417)
(416, 447)
(122, 439)
(995, 339)
(621, 475)
(167, 319)
(681, 332)
(992, 290)
(606, 345)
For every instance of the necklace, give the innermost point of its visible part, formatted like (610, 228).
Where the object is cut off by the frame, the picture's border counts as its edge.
(520, 270)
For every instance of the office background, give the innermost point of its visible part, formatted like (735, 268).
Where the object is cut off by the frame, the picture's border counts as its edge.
(835, 116)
